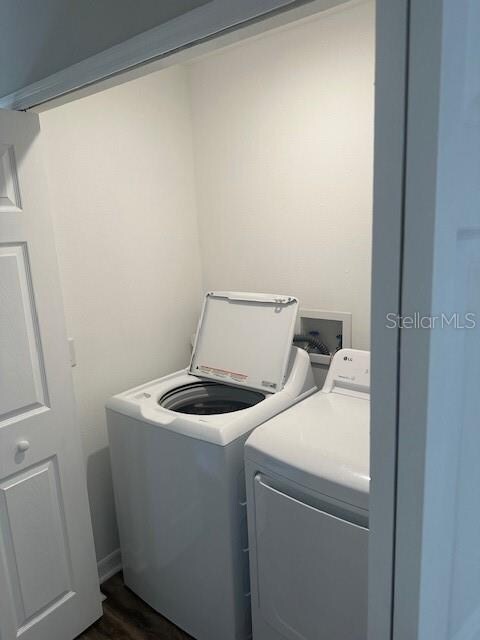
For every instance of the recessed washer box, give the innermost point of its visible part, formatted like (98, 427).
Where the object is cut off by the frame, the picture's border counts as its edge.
(329, 325)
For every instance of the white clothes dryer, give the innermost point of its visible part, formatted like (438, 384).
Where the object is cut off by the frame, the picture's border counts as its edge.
(307, 474)
(177, 451)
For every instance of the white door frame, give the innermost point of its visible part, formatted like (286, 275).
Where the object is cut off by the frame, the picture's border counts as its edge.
(391, 79)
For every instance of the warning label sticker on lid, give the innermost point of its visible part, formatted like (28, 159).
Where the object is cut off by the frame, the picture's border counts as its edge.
(222, 373)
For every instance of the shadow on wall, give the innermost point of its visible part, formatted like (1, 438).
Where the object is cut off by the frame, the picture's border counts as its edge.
(100, 495)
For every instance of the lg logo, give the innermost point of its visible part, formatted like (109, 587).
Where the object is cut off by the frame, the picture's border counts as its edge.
(347, 358)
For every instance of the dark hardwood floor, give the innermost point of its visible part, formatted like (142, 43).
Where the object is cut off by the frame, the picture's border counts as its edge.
(126, 617)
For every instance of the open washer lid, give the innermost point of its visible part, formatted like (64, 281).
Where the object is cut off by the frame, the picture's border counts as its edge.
(245, 339)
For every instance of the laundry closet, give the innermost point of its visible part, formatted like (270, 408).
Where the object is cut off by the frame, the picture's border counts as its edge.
(246, 166)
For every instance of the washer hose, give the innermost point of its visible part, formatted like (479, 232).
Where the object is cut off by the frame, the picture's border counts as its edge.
(314, 342)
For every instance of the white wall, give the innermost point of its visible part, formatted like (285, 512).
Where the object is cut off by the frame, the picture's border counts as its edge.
(283, 129)
(279, 165)
(122, 195)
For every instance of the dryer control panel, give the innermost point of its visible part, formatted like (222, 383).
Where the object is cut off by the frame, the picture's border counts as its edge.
(349, 373)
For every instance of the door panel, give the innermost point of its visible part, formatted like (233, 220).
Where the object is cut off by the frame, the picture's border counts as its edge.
(31, 505)
(22, 385)
(9, 189)
(48, 577)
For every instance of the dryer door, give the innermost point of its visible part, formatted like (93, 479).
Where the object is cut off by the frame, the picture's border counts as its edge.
(311, 569)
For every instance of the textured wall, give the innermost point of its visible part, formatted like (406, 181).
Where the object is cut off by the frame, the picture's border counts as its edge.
(122, 195)
(283, 129)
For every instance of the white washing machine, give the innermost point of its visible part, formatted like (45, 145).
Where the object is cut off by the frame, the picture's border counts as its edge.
(177, 450)
(307, 473)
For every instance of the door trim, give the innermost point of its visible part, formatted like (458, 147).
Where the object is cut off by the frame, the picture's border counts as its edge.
(391, 81)
(200, 25)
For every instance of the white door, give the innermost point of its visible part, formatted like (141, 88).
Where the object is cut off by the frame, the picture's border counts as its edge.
(434, 588)
(48, 580)
(437, 574)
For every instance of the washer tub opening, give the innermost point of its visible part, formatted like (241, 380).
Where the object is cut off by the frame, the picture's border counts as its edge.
(209, 398)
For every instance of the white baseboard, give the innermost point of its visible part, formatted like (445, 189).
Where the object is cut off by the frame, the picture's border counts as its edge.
(109, 566)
